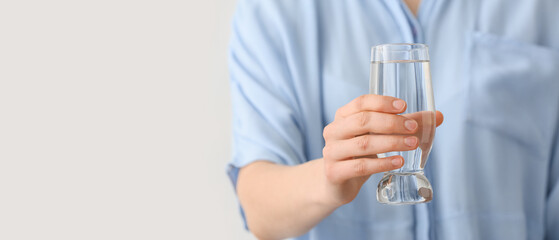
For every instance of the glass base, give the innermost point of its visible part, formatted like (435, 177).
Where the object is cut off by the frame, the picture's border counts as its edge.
(404, 188)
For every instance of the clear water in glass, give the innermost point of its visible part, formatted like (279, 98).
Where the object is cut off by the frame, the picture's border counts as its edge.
(402, 71)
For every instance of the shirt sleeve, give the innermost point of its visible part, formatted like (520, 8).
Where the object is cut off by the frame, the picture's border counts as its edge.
(266, 123)
(552, 202)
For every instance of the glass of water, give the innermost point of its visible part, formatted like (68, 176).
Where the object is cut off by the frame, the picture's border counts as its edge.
(402, 71)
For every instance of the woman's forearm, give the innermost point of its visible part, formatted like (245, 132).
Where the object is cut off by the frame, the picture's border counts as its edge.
(283, 201)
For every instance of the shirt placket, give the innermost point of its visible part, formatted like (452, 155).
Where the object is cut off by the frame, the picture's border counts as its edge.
(412, 32)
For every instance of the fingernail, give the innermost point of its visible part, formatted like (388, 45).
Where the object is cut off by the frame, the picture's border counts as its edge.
(410, 124)
(410, 141)
(398, 104)
(397, 162)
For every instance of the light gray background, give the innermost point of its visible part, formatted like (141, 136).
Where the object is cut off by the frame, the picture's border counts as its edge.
(115, 120)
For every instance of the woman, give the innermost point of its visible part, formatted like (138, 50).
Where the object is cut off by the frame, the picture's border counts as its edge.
(299, 79)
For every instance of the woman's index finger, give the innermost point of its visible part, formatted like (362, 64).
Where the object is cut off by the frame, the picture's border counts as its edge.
(374, 103)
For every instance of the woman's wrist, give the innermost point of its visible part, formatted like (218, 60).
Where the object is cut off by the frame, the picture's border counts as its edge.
(324, 196)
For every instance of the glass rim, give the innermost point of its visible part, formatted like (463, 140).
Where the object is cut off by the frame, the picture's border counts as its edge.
(401, 44)
(396, 52)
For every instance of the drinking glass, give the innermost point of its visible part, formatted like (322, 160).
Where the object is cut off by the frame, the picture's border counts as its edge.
(402, 71)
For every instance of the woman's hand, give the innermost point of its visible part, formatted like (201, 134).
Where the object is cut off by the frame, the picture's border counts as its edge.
(366, 126)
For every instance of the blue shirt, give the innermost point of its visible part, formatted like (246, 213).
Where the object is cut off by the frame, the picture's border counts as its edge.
(494, 166)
